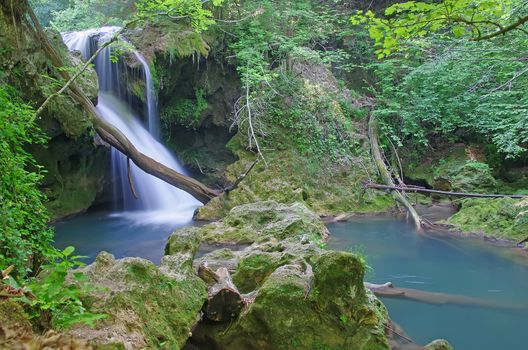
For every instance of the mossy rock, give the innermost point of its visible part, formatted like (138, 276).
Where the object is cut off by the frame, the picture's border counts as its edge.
(262, 221)
(16, 332)
(290, 177)
(146, 308)
(495, 217)
(257, 263)
(300, 308)
(465, 176)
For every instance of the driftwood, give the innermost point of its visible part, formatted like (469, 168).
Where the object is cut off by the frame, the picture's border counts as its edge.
(224, 301)
(447, 193)
(388, 290)
(386, 175)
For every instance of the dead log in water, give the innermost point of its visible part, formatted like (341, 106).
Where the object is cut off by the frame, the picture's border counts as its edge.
(388, 290)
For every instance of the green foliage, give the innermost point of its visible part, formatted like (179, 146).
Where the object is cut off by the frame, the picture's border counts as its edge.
(45, 9)
(475, 91)
(283, 50)
(56, 299)
(415, 20)
(25, 238)
(68, 15)
(199, 17)
(185, 112)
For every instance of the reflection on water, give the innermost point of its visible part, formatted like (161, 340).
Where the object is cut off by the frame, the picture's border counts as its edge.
(396, 253)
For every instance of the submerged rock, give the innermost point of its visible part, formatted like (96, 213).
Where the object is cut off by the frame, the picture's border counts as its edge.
(147, 307)
(439, 344)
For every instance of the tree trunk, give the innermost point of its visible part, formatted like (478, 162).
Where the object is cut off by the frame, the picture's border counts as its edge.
(386, 175)
(388, 290)
(224, 301)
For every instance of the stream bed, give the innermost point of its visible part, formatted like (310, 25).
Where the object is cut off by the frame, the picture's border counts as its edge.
(395, 252)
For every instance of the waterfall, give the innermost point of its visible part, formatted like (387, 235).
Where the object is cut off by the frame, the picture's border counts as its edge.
(157, 199)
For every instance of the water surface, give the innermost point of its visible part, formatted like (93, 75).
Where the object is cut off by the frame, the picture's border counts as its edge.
(138, 234)
(397, 253)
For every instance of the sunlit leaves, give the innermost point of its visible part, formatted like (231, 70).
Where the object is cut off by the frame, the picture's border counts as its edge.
(415, 19)
(472, 91)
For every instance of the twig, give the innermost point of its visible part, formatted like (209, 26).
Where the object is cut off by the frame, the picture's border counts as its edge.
(239, 180)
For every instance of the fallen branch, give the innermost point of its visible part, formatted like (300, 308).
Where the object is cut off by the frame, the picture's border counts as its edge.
(388, 290)
(446, 193)
(241, 178)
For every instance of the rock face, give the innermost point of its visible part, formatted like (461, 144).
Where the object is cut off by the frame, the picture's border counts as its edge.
(197, 88)
(147, 306)
(299, 295)
(74, 165)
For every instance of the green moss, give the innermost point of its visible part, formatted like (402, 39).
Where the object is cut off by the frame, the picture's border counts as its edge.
(184, 111)
(138, 297)
(262, 221)
(13, 316)
(493, 217)
(253, 270)
(289, 312)
(288, 178)
(184, 240)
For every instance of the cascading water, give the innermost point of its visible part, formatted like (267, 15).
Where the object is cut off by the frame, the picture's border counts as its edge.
(157, 199)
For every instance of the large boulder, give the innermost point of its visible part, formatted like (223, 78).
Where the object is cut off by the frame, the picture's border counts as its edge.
(147, 306)
(299, 296)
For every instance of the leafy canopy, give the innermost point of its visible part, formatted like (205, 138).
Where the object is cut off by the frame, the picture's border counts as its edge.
(475, 91)
(473, 19)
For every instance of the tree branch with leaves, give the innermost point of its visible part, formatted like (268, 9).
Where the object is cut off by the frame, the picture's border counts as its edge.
(474, 20)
